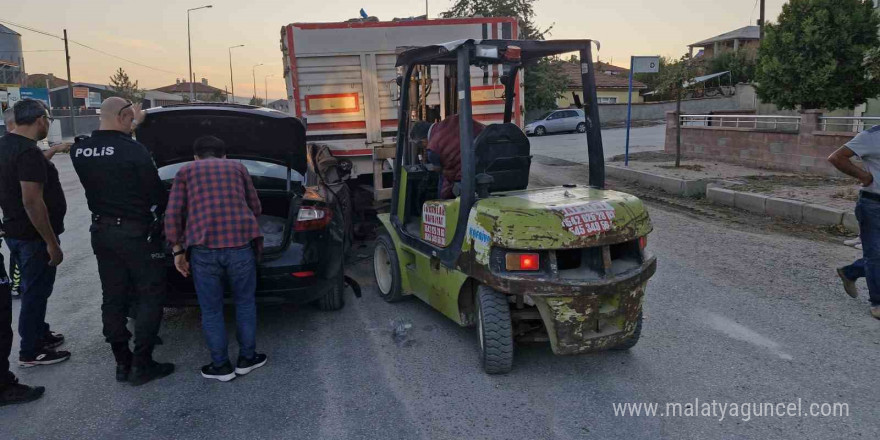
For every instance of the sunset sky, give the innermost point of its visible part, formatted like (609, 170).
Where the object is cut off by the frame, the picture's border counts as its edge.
(154, 32)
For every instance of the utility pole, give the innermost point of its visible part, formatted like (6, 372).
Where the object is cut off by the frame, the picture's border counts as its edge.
(266, 88)
(69, 86)
(232, 81)
(192, 94)
(761, 23)
(254, 73)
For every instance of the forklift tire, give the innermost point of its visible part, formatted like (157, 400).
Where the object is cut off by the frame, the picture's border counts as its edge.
(386, 269)
(632, 340)
(335, 297)
(494, 331)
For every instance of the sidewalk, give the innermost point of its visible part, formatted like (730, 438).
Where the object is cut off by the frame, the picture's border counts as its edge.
(798, 197)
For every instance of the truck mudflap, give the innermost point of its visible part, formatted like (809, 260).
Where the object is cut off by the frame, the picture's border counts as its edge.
(587, 322)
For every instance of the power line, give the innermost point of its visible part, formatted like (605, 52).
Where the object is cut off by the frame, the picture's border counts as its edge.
(88, 47)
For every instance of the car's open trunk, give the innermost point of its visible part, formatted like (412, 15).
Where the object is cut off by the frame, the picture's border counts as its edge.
(277, 219)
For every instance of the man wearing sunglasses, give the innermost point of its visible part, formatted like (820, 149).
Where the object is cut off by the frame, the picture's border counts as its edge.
(124, 192)
(33, 206)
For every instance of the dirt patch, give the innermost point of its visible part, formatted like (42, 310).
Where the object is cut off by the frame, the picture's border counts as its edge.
(840, 193)
(697, 168)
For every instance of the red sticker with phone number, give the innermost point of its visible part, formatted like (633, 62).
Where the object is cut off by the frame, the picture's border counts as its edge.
(590, 219)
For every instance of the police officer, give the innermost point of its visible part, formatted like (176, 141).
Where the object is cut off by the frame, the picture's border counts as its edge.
(122, 188)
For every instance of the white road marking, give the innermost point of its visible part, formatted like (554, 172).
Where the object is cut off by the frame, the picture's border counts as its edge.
(743, 333)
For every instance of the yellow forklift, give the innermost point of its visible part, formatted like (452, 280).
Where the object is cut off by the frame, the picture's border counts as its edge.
(565, 265)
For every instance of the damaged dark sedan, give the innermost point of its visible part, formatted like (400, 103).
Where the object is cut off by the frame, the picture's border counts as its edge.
(302, 191)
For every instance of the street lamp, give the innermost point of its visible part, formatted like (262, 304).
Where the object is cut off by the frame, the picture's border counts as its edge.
(266, 87)
(231, 81)
(254, 73)
(192, 95)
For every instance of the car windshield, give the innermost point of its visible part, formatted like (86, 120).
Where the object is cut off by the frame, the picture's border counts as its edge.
(264, 174)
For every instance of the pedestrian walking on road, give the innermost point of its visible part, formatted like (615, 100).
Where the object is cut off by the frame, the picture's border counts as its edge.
(866, 145)
(212, 217)
(33, 206)
(124, 192)
(11, 392)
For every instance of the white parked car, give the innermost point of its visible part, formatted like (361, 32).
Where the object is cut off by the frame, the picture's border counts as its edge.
(558, 121)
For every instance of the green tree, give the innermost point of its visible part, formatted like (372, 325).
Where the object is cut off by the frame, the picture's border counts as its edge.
(673, 80)
(523, 10)
(121, 84)
(741, 65)
(815, 56)
(256, 101)
(543, 82)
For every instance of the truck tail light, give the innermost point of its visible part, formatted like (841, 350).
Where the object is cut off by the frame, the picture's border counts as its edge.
(312, 218)
(303, 274)
(518, 261)
(643, 241)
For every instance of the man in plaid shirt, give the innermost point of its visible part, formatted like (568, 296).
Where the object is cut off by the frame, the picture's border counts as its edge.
(212, 213)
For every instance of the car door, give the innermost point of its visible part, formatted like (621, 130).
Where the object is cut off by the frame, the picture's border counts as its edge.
(570, 121)
(553, 122)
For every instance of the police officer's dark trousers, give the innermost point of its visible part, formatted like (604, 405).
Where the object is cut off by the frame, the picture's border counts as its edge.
(132, 273)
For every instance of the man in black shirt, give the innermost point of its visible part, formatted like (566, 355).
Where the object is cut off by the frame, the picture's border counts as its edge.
(35, 119)
(33, 216)
(124, 193)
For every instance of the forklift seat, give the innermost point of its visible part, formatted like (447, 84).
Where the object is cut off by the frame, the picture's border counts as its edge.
(503, 152)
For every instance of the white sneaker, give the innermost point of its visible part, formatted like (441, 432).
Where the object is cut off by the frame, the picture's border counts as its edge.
(853, 241)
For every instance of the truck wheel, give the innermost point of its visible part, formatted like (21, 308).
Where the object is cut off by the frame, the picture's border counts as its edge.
(540, 131)
(386, 268)
(632, 340)
(494, 331)
(582, 127)
(335, 298)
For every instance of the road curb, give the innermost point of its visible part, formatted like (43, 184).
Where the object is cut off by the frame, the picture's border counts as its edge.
(671, 185)
(792, 210)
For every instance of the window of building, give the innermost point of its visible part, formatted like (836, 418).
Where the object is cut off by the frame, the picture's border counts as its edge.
(607, 100)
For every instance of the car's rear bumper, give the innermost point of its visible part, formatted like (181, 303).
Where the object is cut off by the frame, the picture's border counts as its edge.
(277, 292)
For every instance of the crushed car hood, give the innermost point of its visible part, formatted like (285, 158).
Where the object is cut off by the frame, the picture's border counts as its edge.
(249, 132)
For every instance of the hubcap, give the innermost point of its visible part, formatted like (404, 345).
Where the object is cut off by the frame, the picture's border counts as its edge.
(539, 131)
(382, 269)
(582, 128)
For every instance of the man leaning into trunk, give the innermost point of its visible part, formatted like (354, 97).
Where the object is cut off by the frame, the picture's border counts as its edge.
(212, 218)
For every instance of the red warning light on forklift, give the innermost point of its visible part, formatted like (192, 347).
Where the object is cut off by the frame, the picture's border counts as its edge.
(517, 261)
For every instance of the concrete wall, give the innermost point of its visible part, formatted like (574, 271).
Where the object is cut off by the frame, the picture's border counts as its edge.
(805, 150)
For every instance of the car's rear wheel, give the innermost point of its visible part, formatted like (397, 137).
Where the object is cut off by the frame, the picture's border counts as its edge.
(582, 127)
(540, 131)
(632, 340)
(335, 297)
(494, 331)
(386, 268)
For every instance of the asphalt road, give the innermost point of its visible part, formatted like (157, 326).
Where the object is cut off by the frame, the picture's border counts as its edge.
(573, 146)
(735, 314)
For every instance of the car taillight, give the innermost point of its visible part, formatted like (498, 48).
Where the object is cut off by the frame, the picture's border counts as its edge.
(643, 241)
(517, 261)
(312, 218)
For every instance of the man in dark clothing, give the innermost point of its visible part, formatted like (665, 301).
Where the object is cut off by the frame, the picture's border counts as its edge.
(33, 216)
(124, 192)
(11, 392)
(444, 150)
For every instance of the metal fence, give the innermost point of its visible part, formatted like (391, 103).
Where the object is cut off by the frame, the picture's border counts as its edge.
(762, 122)
(852, 124)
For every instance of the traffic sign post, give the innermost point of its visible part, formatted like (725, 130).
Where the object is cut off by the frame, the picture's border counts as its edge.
(650, 64)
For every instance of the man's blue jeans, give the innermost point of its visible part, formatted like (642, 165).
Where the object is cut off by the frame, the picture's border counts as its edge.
(868, 215)
(212, 270)
(37, 281)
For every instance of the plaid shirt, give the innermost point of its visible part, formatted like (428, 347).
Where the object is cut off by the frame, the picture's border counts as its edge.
(215, 201)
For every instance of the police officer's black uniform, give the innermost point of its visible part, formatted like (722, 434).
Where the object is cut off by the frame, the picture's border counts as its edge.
(122, 184)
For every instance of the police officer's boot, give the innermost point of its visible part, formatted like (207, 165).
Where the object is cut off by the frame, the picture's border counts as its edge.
(145, 368)
(123, 360)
